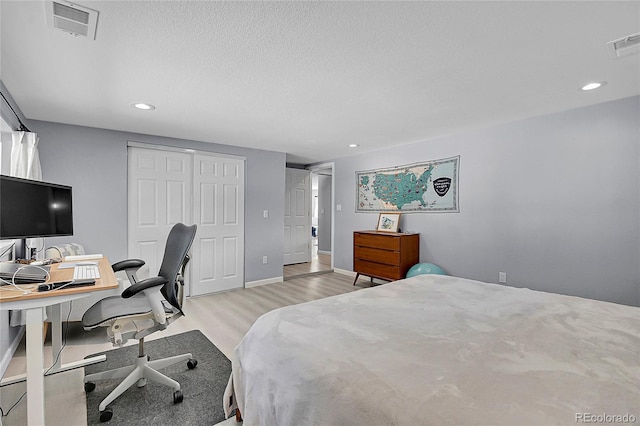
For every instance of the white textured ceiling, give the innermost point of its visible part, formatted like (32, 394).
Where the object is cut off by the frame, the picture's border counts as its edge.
(309, 78)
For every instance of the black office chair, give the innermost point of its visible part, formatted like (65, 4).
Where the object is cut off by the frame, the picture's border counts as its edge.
(145, 307)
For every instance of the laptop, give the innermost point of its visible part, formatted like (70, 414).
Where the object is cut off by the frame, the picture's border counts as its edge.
(26, 274)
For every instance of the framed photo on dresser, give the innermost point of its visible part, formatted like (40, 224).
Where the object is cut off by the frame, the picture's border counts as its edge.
(388, 222)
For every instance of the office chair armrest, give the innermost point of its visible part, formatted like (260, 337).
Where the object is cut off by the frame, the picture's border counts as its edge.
(127, 264)
(143, 285)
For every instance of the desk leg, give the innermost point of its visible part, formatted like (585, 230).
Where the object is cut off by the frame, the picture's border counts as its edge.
(56, 345)
(56, 335)
(35, 360)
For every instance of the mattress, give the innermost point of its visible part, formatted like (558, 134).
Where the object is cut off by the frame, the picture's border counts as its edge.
(439, 350)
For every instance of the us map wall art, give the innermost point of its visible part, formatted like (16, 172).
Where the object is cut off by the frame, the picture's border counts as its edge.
(430, 186)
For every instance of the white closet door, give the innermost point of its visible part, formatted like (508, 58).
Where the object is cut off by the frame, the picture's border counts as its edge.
(218, 210)
(167, 187)
(159, 197)
(297, 217)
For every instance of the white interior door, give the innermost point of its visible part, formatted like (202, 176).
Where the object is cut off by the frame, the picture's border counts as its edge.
(297, 217)
(159, 197)
(219, 213)
(167, 187)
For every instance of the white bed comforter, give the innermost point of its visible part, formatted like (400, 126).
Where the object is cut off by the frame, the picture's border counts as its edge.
(439, 350)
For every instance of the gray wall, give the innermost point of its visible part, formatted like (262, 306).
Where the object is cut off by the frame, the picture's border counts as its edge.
(94, 162)
(324, 212)
(553, 201)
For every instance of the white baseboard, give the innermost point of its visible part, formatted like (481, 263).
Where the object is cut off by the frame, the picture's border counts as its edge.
(263, 282)
(6, 357)
(324, 251)
(344, 272)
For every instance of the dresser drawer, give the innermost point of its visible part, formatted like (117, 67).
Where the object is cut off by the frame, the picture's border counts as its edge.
(379, 241)
(385, 255)
(379, 270)
(376, 255)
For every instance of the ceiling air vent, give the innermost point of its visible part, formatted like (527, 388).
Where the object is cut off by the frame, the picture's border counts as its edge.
(625, 46)
(72, 18)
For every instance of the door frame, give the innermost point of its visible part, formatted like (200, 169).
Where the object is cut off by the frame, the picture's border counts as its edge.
(324, 166)
(192, 152)
(185, 150)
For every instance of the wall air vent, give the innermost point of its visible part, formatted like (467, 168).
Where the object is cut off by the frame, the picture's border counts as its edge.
(72, 18)
(625, 46)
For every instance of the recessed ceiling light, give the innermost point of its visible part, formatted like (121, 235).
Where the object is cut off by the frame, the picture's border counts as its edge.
(592, 86)
(353, 145)
(142, 105)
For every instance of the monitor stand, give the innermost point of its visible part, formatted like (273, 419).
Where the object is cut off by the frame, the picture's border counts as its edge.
(20, 249)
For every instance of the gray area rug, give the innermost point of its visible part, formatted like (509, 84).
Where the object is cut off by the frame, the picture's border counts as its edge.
(202, 387)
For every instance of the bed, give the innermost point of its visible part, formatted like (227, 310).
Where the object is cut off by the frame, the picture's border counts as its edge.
(439, 350)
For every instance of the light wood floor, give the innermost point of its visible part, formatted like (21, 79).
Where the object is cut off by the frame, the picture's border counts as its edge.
(320, 263)
(224, 318)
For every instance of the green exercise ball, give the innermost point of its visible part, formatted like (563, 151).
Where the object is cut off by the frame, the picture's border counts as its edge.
(425, 268)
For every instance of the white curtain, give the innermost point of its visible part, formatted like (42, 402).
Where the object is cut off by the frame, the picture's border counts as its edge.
(25, 160)
(25, 163)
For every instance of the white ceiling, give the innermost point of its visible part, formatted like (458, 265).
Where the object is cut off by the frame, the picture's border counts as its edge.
(309, 78)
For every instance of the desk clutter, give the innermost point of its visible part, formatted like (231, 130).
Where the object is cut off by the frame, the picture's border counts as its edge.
(23, 271)
(19, 273)
(64, 284)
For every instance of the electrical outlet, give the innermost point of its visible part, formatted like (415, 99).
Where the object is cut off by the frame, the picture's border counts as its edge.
(265, 214)
(502, 277)
(264, 260)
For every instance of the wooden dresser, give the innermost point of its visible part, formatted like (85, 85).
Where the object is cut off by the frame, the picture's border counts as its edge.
(384, 255)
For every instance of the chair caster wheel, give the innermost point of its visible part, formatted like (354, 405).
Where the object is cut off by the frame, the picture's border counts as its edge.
(89, 387)
(177, 397)
(192, 363)
(106, 415)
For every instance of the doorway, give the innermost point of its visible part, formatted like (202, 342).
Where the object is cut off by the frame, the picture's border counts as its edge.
(297, 217)
(320, 237)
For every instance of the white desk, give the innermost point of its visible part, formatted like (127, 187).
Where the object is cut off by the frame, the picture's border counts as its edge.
(34, 304)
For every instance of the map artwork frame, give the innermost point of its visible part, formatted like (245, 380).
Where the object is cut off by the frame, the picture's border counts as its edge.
(425, 187)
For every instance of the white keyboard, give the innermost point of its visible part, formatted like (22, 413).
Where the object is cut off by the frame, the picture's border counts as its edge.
(81, 272)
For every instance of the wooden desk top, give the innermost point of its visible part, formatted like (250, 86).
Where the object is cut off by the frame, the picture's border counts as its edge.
(107, 281)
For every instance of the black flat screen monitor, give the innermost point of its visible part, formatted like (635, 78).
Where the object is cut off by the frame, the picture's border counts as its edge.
(33, 209)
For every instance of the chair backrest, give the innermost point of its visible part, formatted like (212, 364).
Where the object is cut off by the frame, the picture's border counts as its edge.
(178, 244)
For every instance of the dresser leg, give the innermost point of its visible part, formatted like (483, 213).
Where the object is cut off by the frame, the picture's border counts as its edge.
(357, 275)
